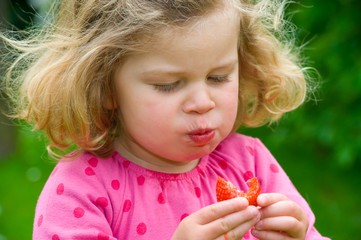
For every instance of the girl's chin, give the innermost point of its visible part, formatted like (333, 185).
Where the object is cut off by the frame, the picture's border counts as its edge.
(197, 153)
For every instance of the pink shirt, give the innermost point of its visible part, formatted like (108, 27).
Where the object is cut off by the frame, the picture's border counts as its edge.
(113, 198)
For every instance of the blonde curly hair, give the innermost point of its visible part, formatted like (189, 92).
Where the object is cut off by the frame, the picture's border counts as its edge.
(63, 72)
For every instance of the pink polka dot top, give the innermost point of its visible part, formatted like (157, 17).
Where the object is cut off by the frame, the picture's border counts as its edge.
(92, 198)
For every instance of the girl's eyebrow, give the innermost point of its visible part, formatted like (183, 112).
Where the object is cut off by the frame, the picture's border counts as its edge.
(229, 65)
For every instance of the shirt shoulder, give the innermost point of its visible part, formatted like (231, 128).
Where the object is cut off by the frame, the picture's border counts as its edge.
(238, 143)
(79, 192)
(238, 151)
(86, 173)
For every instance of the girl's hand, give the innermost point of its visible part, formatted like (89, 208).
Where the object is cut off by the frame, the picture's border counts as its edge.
(233, 217)
(281, 218)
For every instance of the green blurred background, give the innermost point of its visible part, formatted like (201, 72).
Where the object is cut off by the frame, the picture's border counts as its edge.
(319, 144)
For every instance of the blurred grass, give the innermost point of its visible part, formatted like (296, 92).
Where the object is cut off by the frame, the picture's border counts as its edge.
(22, 176)
(318, 145)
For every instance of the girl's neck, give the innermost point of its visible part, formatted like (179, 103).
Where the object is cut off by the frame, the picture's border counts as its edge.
(152, 162)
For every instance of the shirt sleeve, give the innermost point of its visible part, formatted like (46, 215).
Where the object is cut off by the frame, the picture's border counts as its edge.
(74, 204)
(273, 179)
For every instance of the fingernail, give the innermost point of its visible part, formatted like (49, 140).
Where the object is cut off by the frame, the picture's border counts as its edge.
(259, 225)
(255, 232)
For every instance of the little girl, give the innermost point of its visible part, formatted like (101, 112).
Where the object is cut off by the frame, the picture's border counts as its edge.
(151, 93)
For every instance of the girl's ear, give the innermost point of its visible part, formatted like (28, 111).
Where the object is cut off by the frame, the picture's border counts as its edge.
(110, 103)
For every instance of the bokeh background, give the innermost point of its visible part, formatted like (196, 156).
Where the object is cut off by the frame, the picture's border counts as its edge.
(319, 144)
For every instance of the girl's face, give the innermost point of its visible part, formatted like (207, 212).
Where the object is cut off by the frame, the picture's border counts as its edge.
(178, 100)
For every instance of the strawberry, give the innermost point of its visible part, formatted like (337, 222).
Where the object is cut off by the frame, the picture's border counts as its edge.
(226, 190)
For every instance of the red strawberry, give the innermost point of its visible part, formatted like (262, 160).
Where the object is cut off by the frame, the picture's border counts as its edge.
(226, 190)
(253, 191)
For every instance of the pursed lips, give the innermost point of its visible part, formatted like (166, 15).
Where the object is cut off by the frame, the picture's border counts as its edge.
(201, 136)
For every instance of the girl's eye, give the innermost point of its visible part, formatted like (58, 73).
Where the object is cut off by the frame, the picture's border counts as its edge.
(218, 79)
(169, 87)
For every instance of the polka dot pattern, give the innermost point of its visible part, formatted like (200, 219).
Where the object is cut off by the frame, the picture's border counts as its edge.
(141, 228)
(115, 184)
(60, 189)
(161, 198)
(200, 170)
(93, 162)
(102, 236)
(126, 164)
(102, 201)
(248, 175)
(89, 171)
(219, 147)
(127, 205)
(274, 168)
(198, 192)
(250, 150)
(184, 216)
(78, 212)
(55, 237)
(223, 164)
(140, 180)
(40, 220)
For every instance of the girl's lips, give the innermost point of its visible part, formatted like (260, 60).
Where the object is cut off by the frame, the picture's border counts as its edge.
(201, 136)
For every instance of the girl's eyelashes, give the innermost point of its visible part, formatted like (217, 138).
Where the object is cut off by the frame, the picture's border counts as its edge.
(170, 87)
(166, 87)
(218, 79)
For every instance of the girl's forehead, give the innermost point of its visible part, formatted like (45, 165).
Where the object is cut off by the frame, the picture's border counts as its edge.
(209, 43)
(227, 17)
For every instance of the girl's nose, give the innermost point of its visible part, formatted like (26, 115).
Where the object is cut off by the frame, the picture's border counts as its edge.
(199, 101)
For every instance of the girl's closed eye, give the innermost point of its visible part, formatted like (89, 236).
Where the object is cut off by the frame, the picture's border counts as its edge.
(167, 87)
(173, 86)
(219, 79)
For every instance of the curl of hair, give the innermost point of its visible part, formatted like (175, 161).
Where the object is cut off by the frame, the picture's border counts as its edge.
(271, 77)
(64, 72)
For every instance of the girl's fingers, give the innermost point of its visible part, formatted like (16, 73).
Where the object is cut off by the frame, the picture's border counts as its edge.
(281, 215)
(270, 235)
(283, 208)
(240, 230)
(220, 218)
(290, 225)
(267, 199)
(219, 210)
(235, 224)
